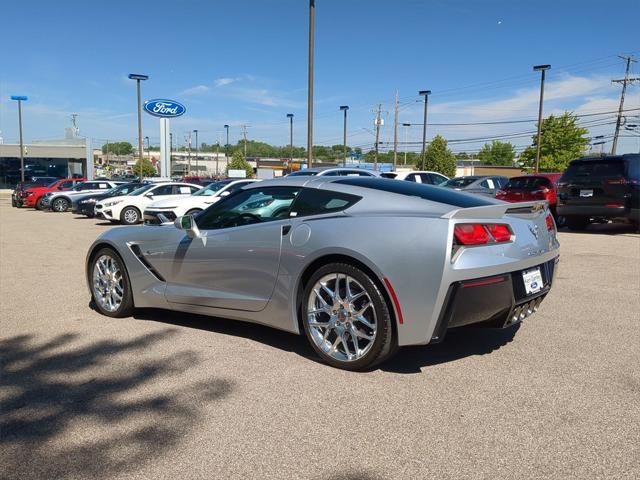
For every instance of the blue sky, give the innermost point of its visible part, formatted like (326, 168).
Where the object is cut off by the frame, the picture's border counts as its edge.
(245, 62)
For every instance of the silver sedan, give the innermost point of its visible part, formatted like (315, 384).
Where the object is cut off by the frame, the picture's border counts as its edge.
(360, 266)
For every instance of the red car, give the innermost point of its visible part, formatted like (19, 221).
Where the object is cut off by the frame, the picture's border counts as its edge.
(538, 186)
(34, 194)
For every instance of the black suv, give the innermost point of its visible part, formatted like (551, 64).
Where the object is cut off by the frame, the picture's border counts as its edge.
(600, 189)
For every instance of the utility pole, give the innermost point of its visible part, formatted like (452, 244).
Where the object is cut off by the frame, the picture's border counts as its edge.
(244, 135)
(626, 80)
(107, 159)
(20, 99)
(197, 171)
(312, 16)
(406, 130)
(170, 154)
(395, 132)
(543, 69)
(189, 154)
(344, 108)
(290, 117)
(425, 94)
(378, 122)
(138, 78)
(217, 156)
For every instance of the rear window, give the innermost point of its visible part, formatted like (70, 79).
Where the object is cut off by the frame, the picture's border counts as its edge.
(411, 189)
(527, 183)
(595, 168)
(389, 175)
(301, 173)
(634, 168)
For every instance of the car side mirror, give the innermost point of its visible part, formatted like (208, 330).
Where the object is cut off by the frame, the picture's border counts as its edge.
(188, 224)
(60, 187)
(149, 195)
(224, 194)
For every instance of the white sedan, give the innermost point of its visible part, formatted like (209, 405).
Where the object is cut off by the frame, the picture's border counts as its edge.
(430, 178)
(173, 208)
(128, 208)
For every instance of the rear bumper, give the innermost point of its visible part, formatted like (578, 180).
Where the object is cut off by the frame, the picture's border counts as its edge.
(497, 301)
(592, 211)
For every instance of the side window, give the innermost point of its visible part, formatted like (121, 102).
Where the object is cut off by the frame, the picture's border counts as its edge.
(182, 190)
(485, 183)
(312, 201)
(361, 173)
(256, 205)
(67, 184)
(237, 186)
(425, 178)
(163, 190)
(412, 177)
(87, 186)
(634, 169)
(335, 173)
(437, 179)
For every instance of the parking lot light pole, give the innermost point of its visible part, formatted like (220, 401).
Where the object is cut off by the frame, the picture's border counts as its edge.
(406, 130)
(345, 108)
(138, 78)
(425, 94)
(312, 14)
(197, 173)
(290, 117)
(20, 99)
(226, 146)
(543, 69)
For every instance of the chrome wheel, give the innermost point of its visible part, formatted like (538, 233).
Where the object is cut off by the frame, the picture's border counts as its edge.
(60, 205)
(130, 215)
(108, 283)
(341, 318)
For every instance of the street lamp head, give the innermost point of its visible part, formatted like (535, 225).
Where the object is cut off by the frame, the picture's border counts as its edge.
(424, 92)
(18, 97)
(195, 131)
(289, 115)
(344, 107)
(138, 76)
(541, 67)
(226, 126)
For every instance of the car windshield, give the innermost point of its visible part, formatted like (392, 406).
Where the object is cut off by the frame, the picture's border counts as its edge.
(526, 183)
(143, 189)
(458, 182)
(212, 188)
(300, 173)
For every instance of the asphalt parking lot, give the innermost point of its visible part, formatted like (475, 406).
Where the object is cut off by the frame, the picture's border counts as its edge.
(170, 395)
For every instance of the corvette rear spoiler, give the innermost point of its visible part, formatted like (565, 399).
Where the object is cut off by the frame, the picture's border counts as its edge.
(497, 211)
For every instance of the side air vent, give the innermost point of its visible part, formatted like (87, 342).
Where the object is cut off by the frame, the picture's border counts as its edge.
(138, 253)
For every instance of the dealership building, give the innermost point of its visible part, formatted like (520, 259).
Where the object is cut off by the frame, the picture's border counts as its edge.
(63, 158)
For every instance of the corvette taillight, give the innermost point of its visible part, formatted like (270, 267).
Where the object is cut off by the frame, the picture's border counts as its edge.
(550, 225)
(481, 234)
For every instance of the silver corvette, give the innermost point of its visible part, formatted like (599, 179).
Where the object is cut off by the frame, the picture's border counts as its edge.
(360, 266)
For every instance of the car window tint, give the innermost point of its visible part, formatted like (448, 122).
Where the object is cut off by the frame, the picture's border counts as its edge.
(163, 190)
(68, 184)
(312, 201)
(595, 168)
(425, 178)
(634, 168)
(485, 184)
(237, 186)
(334, 173)
(412, 177)
(527, 183)
(389, 175)
(247, 207)
(437, 179)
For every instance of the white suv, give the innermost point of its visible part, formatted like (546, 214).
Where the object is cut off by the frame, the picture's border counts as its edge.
(128, 208)
(173, 208)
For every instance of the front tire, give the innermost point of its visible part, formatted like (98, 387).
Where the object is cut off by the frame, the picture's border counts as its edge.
(110, 286)
(39, 205)
(346, 318)
(60, 205)
(130, 216)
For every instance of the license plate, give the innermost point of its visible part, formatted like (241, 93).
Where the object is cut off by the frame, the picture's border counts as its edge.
(586, 193)
(532, 280)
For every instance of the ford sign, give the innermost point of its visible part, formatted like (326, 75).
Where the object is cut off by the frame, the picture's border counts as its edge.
(164, 108)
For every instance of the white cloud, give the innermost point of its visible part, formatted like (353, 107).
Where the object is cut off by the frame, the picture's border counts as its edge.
(221, 82)
(197, 90)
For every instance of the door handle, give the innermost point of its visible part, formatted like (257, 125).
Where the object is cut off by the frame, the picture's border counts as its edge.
(285, 229)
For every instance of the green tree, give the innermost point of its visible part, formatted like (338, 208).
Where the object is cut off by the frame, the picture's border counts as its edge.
(497, 153)
(148, 170)
(438, 157)
(118, 148)
(562, 141)
(463, 156)
(238, 162)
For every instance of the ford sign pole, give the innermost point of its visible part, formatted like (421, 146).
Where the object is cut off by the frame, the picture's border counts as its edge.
(20, 99)
(164, 109)
(138, 77)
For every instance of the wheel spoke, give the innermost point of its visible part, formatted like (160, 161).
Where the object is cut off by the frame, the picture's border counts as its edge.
(328, 290)
(363, 320)
(360, 334)
(335, 344)
(345, 346)
(322, 300)
(363, 309)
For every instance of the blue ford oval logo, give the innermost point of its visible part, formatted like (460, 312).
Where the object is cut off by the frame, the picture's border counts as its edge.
(164, 108)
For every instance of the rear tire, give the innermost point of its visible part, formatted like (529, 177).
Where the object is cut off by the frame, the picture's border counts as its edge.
(577, 223)
(110, 287)
(358, 333)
